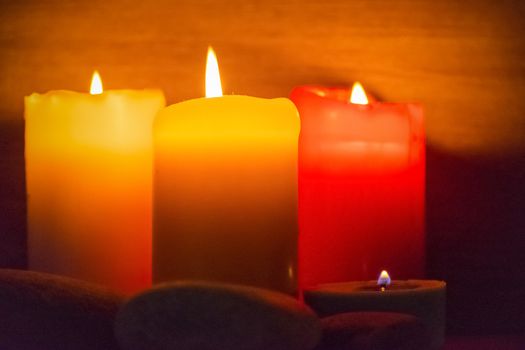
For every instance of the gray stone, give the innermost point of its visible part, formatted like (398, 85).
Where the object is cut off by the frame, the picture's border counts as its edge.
(40, 311)
(374, 331)
(212, 316)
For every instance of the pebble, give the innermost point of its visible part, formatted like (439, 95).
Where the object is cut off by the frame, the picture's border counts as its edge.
(373, 331)
(211, 316)
(40, 311)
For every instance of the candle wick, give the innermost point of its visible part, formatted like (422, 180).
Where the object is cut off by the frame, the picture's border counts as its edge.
(383, 287)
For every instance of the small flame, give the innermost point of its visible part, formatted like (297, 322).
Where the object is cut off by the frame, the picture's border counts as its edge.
(384, 279)
(96, 84)
(213, 78)
(358, 95)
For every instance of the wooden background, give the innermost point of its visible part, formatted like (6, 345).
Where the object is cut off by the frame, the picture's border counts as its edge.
(465, 60)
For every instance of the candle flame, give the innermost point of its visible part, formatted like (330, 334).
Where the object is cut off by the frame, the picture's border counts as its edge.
(358, 95)
(213, 78)
(96, 84)
(384, 279)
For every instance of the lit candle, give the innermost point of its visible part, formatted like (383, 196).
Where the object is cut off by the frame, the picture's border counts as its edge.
(425, 299)
(88, 166)
(361, 186)
(225, 189)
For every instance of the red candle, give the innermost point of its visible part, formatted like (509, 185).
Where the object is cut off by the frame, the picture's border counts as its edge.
(361, 186)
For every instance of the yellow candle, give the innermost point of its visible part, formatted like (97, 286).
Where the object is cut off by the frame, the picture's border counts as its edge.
(89, 180)
(225, 190)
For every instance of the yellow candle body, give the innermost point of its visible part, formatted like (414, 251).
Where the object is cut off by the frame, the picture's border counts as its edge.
(89, 185)
(225, 192)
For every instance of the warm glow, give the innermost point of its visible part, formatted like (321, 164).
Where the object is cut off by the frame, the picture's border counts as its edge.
(384, 279)
(96, 84)
(213, 78)
(358, 95)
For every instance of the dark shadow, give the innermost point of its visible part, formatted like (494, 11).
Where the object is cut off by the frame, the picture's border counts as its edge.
(476, 239)
(13, 228)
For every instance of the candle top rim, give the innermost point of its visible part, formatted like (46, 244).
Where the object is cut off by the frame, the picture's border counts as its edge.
(367, 287)
(239, 115)
(110, 92)
(230, 98)
(336, 93)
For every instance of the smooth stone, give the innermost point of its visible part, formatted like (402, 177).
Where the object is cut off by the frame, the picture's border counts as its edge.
(40, 311)
(211, 316)
(373, 331)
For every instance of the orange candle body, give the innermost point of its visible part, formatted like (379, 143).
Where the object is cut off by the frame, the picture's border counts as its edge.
(361, 187)
(89, 179)
(225, 192)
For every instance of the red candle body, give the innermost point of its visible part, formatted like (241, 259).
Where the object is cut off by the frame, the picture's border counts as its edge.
(361, 188)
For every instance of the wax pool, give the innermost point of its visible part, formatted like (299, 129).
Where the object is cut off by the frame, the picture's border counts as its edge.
(225, 192)
(361, 187)
(89, 175)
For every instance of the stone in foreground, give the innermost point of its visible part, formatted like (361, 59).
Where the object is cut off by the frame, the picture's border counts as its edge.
(373, 331)
(47, 312)
(211, 316)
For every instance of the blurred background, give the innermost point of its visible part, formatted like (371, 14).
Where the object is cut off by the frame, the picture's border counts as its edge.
(464, 60)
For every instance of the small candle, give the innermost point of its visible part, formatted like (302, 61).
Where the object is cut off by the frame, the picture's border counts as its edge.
(225, 189)
(89, 180)
(423, 298)
(361, 186)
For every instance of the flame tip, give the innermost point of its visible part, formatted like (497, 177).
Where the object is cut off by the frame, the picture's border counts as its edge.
(384, 278)
(358, 95)
(213, 78)
(96, 84)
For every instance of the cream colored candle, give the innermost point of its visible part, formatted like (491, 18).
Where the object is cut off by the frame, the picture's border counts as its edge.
(89, 179)
(225, 190)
